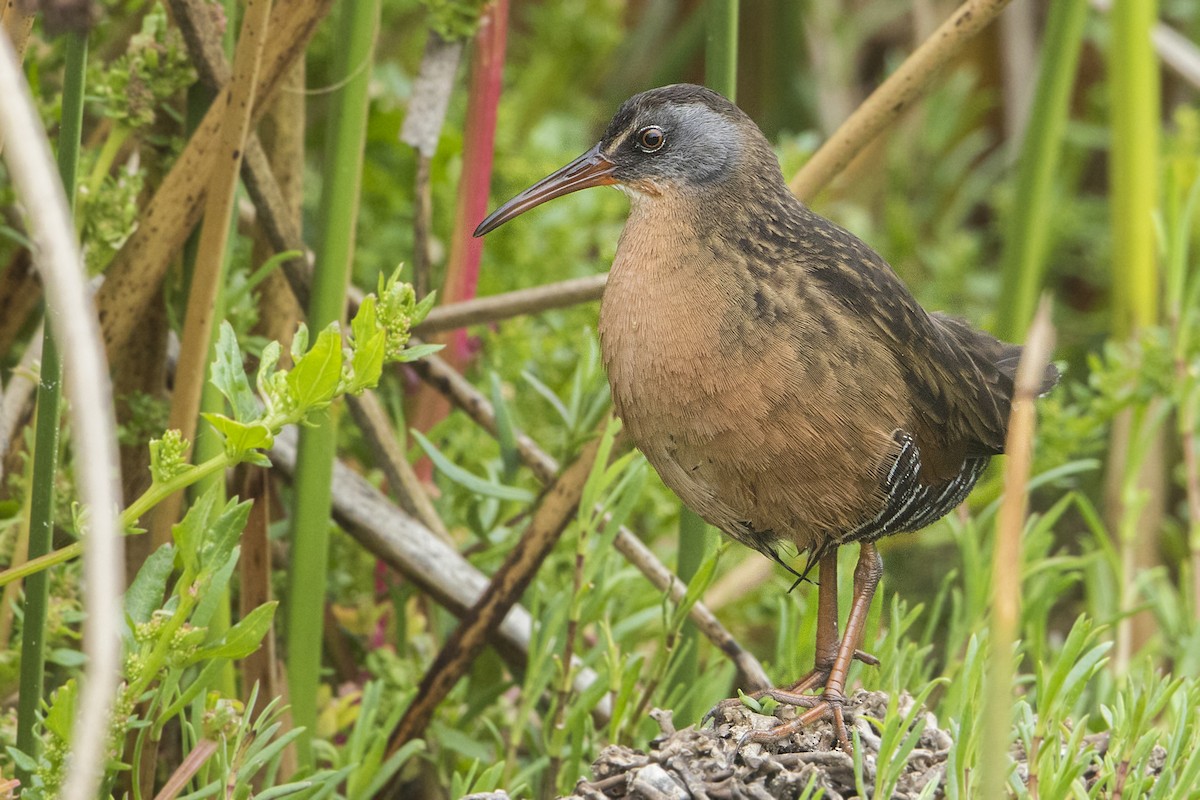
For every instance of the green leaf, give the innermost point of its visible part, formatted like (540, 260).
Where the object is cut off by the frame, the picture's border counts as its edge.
(370, 344)
(469, 480)
(229, 375)
(243, 638)
(366, 322)
(417, 352)
(422, 309)
(241, 438)
(505, 435)
(22, 759)
(265, 379)
(299, 342)
(368, 363)
(214, 584)
(67, 657)
(314, 380)
(189, 533)
(61, 715)
(146, 592)
(223, 535)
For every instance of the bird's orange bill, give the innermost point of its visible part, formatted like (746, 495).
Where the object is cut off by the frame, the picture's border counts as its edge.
(590, 169)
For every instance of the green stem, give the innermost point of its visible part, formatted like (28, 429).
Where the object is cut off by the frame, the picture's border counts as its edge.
(1029, 227)
(108, 154)
(46, 435)
(1133, 163)
(721, 47)
(209, 445)
(317, 448)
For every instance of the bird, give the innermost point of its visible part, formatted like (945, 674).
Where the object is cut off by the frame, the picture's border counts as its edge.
(773, 368)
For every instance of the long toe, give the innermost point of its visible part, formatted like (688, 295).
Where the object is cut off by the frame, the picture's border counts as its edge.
(829, 707)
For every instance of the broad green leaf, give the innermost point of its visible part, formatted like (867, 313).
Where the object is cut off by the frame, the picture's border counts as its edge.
(370, 343)
(368, 362)
(146, 592)
(241, 438)
(243, 638)
(469, 480)
(229, 375)
(61, 715)
(314, 380)
(365, 323)
(189, 533)
(223, 535)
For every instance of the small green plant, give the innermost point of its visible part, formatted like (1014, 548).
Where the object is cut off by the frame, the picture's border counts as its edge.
(329, 369)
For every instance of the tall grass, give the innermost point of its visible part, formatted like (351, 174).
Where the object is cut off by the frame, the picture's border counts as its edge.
(46, 431)
(1137, 494)
(1031, 213)
(336, 228)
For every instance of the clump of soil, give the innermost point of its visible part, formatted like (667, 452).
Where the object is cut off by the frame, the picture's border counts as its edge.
(708, 763)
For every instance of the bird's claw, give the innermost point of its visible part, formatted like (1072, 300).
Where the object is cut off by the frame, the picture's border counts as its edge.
(866, 658)
(791, 696)
(830, 706)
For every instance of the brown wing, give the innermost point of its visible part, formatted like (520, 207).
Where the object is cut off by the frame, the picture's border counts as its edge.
(959, 379)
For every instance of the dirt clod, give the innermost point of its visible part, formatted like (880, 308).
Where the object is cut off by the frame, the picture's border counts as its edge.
(707, 764)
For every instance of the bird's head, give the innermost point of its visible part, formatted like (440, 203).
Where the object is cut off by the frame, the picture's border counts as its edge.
(671, 141)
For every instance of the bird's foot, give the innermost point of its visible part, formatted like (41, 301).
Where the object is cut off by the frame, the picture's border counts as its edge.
(828, 706)
(793, 695)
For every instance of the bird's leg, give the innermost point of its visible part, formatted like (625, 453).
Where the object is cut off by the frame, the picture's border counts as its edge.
(827, 636)
(829, 704)
(826, 650)
(828, 643)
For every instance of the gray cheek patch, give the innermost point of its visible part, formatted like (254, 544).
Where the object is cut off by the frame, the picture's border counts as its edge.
(712, 143)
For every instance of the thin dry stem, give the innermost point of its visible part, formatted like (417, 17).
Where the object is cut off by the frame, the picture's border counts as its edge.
(372, 420)
(178, 781)
(136, 273)
(192, 369)
(483, 310)
(446, 380)
(57, 257)
(895, 94)
(1006, 557)
(510, 581)
(432, 564)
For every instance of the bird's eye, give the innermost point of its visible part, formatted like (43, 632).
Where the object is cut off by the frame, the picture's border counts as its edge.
(651, 138)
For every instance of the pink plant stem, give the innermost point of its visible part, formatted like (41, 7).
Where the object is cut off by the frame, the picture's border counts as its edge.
(487, 69)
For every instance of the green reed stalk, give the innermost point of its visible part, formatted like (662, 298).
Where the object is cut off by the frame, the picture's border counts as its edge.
(721, 47)
(46, 434)
(1025, 240)
(1133, 177)
(1133, 164)
(336, 225)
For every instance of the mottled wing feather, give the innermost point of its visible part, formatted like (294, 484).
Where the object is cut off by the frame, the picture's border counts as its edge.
(962, 382)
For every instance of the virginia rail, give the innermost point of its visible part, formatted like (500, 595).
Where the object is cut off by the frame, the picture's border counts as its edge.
(771, 366)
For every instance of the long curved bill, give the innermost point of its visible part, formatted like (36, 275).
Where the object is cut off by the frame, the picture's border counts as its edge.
(590, 169)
